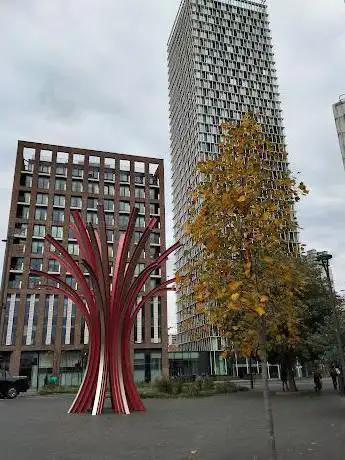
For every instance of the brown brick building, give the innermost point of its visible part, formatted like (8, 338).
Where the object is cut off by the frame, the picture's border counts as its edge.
(42, 333)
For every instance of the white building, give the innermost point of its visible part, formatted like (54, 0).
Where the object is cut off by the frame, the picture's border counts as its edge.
(221, 66)
(339, 116)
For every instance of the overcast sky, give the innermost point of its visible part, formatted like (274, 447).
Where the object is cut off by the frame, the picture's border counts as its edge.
(93, 74)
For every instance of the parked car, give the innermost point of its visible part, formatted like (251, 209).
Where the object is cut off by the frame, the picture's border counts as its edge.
(11, 386)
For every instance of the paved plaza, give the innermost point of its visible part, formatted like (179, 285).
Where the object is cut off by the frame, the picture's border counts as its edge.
(224, 427)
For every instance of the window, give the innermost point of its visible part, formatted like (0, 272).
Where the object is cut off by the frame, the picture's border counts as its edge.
(15, 281)
(77, 172)
(156, 319)
(110, 252)
(155, 238)
(50, 319)
(37, 247)
(77, 186)
(140, 222)
(44, 168)
(154, 252)
(10, 319)
(92, 203)
(68, 322)
(154, 180)
(60, 184)
(110, 236)
(93, 173)
(123, 220)
(92, 218)
(93, 187)
(76, 202)
(27, 181)
(21, 230)
(124, 190)
(36, 264)
(57, 232)
(71, 235)
(59, 200)
(109, 219)
(109, 190)
(43, 182)
(109, 175)
(42, 198)
(124, 177)
(33, 281)
(53, 266)
(154, 209)
(71, 281)
(138, 269)
(23, 212)
(124, 206)
(109, 205)
(58, 216)
(137, 236)
(61, 170)
(141, 207)
(154, 194)
(73, 249)
(24, 197)
(17, 263)
(39, 230)
(40, 214)
(139, 192)
(139, 179)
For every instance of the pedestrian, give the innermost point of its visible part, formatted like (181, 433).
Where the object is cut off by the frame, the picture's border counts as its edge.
(317, 380)
(334, 375)
(283, 378)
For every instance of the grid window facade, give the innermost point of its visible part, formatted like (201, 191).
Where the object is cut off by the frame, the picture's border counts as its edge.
(221, 66)
(50, 182)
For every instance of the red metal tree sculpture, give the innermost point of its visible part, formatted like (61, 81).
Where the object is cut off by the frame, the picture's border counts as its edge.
(109, 308)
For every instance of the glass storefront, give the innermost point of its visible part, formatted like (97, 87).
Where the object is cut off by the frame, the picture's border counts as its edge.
(37, 366)
(147, 365)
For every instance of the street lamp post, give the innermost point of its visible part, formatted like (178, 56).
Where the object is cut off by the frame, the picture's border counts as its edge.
(324, 258)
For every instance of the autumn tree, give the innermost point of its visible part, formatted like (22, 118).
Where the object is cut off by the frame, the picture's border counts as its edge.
(316, 323)
(243, 275)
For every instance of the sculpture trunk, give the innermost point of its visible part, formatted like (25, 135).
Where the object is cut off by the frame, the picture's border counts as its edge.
(109, 309)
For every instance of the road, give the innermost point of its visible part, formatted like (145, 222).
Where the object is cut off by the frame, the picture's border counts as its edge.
(224, 427)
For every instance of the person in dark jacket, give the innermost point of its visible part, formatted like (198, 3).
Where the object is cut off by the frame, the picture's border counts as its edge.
(317, 380)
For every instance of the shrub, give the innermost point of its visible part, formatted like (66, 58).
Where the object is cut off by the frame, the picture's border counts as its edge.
(163, 385)
(198, 384)
(177, 386)
(225, 387)
(192, 390)
(207, 384)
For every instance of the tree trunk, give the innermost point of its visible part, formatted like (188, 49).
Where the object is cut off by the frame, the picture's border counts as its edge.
(290, 371)
(267, 397)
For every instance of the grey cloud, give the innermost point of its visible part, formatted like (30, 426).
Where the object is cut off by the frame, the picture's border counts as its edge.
(93, 74)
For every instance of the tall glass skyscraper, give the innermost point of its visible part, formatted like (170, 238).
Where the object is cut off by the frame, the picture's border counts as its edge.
(221, 66)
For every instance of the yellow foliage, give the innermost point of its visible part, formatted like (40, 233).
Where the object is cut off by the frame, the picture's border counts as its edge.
(240, 227)
(260, 310)
(268, 260)
(234, 285)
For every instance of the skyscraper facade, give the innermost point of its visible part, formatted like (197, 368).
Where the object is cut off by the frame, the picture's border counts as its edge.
(42, 333)
(339, 116)
(221, 66)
